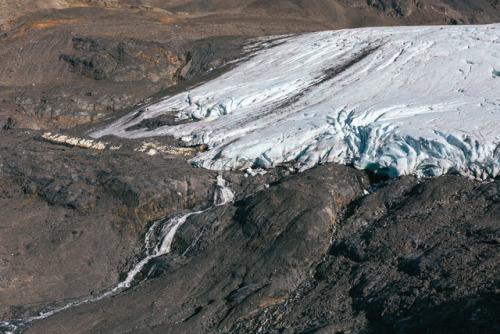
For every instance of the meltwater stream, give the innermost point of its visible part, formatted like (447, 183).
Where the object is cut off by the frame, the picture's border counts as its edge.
(158, 242)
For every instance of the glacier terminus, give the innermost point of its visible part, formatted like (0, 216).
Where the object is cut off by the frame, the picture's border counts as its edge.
(394, 100)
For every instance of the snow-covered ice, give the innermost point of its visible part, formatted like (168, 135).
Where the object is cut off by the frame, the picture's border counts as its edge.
(396, 100)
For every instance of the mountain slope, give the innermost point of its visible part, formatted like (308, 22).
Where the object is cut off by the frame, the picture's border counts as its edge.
(329, 249)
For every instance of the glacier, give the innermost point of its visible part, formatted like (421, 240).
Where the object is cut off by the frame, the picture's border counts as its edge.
(395, 100)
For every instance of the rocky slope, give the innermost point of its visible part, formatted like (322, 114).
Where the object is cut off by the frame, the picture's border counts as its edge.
(72, 217)
(410, 257)
(307, 252)
(310, 253)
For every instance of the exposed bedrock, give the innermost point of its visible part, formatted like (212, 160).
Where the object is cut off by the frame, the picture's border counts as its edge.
(61, 70)
(309, 252)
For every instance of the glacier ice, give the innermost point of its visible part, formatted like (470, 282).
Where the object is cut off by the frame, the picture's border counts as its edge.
(395, 100)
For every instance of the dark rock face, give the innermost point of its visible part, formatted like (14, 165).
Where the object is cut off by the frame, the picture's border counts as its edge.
(396, 8)
(69, 78)
(410, 257)
(126, 61)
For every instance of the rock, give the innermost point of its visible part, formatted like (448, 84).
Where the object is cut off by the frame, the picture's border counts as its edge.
(130, 60)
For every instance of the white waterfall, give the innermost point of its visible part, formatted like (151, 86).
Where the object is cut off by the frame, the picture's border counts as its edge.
(224, 194)
(162, 247)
